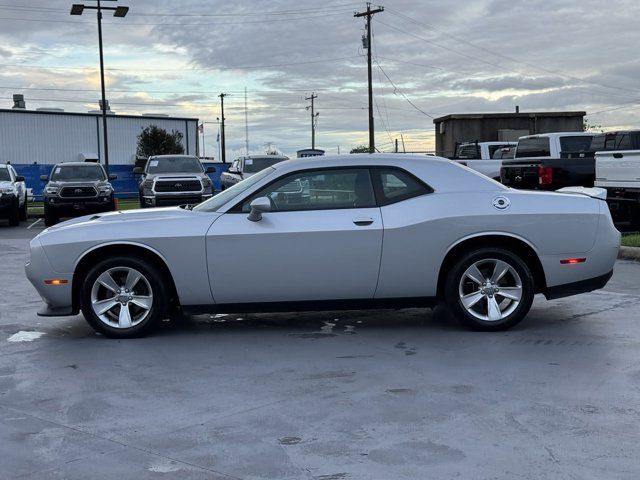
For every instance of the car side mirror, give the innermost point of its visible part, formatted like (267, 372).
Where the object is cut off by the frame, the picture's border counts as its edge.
(258, 207)
(210, 170)
(232, 170)
(44, 178)
(113, 176)
(137, 170)
(20, 179)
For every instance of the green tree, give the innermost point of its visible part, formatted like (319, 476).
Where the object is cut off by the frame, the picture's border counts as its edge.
(154, 140)
(360, 149)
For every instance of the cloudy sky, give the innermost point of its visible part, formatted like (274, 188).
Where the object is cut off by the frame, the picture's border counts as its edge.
(432, 58)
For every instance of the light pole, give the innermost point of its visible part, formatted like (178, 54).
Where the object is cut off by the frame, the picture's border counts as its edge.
(120, 12)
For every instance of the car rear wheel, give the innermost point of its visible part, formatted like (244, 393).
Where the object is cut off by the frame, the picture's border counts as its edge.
(124, 297)
(489, 289)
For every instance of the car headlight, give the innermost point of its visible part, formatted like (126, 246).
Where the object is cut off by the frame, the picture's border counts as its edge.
(52, 190)
(105, 189)
(147, 184)
(7, 191)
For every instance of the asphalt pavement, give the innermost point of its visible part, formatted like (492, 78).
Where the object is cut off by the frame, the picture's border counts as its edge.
(390, 394)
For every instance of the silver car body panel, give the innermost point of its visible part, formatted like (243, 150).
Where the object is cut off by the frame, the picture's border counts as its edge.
(221, 257)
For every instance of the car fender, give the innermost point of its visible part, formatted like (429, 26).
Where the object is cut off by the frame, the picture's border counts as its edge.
(118, 242)
(491, 233)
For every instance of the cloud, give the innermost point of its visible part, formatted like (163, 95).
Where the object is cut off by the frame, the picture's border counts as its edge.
(446, 57)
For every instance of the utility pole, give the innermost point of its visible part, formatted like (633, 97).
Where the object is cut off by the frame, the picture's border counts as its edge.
(314, 119)
(368, 14)
(222, 149)
(120, 12)
(246, 122)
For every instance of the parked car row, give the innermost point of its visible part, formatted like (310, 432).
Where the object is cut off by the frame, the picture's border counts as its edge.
(13, 195)
(552, 161)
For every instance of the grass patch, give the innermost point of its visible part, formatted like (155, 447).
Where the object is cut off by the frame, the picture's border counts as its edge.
(632, 240)
(36, 209)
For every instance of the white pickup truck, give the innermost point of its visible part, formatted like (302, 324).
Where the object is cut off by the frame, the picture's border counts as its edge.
(481, 156)
(618, 171)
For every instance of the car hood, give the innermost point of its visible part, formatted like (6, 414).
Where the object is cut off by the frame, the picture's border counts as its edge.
(172, 176)
(5, 184)
(79, 183)
(149, 216)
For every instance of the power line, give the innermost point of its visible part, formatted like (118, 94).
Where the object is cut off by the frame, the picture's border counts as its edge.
(497, 54)
(207, 69)
(396, 89)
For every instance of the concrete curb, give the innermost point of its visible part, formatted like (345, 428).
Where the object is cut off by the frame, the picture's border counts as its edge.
(629, 253)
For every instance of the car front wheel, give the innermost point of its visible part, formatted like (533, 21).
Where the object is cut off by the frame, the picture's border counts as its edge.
(23, 211)
(124, 297)
(489, 289)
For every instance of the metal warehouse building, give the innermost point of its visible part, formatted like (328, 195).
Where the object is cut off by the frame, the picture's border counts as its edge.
(34, 140)
(490, 127)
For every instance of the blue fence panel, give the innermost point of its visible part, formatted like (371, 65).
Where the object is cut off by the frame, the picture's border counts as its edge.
(126, 185)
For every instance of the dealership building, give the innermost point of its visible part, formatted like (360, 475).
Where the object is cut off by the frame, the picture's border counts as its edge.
(35, 140)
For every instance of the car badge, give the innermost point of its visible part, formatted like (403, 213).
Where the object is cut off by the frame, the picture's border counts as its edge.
(77, 190)
(501, 202)
(518, 178)
(178, 185)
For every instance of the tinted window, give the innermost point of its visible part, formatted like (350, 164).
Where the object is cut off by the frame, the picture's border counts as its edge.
(533, 147)
(4, 175)
(494, 148)
(395, 185)
(469, 152)
(615, 141)
(504, 153)
(77, 173)
(575, 144)
(319, 190)
(253, 165)
(175, 164)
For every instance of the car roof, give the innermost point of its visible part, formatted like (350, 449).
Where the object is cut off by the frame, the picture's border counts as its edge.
(356, 160)
(489, 143)
(173, 155)
(75, 164)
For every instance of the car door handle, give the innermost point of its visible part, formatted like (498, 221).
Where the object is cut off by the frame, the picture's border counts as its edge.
(363, 221)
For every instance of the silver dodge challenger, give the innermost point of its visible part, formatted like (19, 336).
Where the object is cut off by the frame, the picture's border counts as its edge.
(325, 233)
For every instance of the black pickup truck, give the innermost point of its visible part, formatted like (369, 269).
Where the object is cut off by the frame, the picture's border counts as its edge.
(538, 167)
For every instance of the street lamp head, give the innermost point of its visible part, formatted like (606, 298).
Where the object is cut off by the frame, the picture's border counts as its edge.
(121, 11)
(77, 9)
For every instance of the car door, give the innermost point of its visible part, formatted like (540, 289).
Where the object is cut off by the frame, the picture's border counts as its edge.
(322, 240)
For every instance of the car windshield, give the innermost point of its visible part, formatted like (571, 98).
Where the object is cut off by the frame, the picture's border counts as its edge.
(175, 164)
(218, 201)
(253, 165)
(77, 173)
(4, 175)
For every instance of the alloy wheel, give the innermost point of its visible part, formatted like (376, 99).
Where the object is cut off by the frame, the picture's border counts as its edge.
(490, 289)
(121, 297)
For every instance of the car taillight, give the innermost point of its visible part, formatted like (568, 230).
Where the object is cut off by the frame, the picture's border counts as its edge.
(545, 175)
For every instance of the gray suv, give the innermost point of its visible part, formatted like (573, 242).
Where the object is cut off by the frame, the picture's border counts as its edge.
(173, 180)
(76, 188)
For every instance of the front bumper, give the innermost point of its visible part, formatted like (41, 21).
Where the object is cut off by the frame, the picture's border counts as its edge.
(79, 206)
(58, 298)
(169, 200)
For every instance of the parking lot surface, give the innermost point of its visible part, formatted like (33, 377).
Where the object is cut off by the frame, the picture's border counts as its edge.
(339, 395)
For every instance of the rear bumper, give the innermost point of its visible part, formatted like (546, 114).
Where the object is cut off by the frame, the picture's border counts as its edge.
(576, 288)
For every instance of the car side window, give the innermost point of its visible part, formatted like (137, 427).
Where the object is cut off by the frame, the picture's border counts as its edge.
(395, 185)
(319, 190)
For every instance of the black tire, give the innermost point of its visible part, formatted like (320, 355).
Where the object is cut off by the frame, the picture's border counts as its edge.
(14, 214)
(23, 211)
(486, 254)
(159, 291)
(50, 216)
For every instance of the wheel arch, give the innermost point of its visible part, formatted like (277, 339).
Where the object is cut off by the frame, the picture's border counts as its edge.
(88, 259)
(510, 242)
